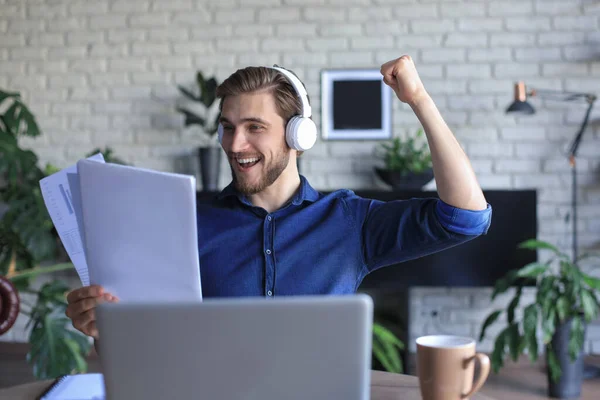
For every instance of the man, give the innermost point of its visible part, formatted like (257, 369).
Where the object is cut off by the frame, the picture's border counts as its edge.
(270, 233)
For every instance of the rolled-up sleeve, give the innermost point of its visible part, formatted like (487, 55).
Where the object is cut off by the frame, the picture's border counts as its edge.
(466, 222)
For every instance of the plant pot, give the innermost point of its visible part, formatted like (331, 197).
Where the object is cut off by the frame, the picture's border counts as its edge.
(9, 304)
(210, 167)
(405, 180)
(569, 384)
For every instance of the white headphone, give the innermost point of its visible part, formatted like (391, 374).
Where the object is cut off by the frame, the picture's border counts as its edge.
(301, 131)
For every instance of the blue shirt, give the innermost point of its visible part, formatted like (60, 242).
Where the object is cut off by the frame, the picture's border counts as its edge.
(319, 244)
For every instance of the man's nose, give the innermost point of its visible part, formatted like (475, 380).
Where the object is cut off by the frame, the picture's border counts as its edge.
(238, 140)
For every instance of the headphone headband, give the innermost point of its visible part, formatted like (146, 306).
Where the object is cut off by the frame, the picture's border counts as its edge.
(300, 90)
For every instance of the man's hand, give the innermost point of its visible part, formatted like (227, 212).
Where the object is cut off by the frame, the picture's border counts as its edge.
(81, 307)
(401, 75)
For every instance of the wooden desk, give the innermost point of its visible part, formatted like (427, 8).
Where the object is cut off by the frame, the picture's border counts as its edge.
(525, 381)
(387, 386)
(384, 386)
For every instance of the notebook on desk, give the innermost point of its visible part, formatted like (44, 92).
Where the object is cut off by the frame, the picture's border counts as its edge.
(76, 387)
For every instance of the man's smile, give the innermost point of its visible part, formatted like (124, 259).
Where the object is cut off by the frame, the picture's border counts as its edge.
(245, 163)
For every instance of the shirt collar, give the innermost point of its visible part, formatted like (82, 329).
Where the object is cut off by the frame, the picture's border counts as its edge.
(306, 193)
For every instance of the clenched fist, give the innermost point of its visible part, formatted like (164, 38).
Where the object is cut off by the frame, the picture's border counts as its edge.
(401, 75)
(81, 307)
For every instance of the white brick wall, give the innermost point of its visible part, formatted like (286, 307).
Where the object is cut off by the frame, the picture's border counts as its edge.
(90, 71)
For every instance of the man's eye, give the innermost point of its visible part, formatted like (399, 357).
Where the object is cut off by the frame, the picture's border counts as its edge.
(227, 128)
(255, 127)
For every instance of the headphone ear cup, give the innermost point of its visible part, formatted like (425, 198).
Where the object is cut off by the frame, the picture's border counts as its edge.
(220, 132)
(301, 133)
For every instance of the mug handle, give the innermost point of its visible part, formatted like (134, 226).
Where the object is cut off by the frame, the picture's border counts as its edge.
(484, 371)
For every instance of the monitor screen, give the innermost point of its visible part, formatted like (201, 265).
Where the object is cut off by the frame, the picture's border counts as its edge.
(480, 262)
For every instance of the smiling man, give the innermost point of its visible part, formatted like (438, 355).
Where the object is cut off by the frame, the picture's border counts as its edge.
(269, 233)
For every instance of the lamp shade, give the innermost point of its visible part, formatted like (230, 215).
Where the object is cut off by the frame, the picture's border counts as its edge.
(520, 104)
(521, 107)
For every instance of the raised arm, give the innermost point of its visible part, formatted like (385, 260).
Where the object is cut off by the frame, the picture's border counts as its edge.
(455, 179)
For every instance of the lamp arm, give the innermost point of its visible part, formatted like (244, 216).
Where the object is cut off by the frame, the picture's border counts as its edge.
(559, 92)
(564, 96)
(577, 140)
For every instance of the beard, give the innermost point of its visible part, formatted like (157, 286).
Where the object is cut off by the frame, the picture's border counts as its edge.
(273, 170)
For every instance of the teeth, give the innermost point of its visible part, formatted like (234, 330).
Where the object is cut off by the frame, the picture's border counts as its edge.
(247, 160)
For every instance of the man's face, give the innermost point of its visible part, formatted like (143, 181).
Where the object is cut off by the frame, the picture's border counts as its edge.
(254, 140)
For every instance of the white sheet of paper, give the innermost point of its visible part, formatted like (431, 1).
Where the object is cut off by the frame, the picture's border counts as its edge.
(78, 387)
(140, 232)
(61, 196)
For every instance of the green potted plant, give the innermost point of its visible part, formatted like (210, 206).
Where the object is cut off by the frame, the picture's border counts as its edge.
(200, 109)
(28, 243)
(386, 349)
(565, 301)
(30, 247)
(407, 163)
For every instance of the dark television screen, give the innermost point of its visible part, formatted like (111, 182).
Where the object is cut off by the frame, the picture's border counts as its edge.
(479, 262)
(357, 104)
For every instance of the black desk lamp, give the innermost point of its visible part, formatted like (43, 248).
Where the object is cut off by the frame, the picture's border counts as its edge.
(521, 106)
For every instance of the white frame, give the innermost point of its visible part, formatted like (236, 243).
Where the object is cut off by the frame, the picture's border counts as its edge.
(327, 131)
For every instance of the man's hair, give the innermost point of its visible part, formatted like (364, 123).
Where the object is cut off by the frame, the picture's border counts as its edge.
(257, 79)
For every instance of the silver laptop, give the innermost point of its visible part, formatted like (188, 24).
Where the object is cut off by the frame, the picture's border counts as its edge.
(300, 347)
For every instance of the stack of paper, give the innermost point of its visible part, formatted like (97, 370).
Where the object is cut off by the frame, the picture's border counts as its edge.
(62, 198)
(131, 230)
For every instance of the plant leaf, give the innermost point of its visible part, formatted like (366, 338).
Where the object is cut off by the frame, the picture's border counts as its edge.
(546, 294)
(385, 335)
(500, 343)
(381, 356)
(200, 81)
(530, 321)
(590, 307)
(562, 308)
(553, 364)
(74, 352)
(55, 348)
(513, 305)
(187, 93)
(388, 347)
(576, 338)
(489, 321)
(18, 166)
(591, 281)
(191, 118)
(532, 270)
(404, 156)
(209, 94)
(549, 325)
(28, 218)
(393, 357)
(534, 244)
(504, 283)
(514, 341)
(33, 272)
(18, 119)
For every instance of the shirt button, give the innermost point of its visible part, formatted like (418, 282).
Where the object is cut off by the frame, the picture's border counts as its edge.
(269, 293)
(268, 251)
(269, 218)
